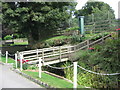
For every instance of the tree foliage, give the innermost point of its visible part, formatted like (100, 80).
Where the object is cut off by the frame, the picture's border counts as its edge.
(99, 16)
(90, 5)
(36, 20)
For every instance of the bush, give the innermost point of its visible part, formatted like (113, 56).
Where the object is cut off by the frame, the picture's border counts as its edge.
(104, 61)
(77, 39)
(25, 66)
(72, 28)
(15, 36)
(96, 37)
(8, 37)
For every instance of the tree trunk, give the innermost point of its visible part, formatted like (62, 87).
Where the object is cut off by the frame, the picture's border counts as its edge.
(31, 41)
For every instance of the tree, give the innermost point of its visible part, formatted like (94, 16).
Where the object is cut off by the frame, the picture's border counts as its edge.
(36, 20)
(90, 5)
(100, 14)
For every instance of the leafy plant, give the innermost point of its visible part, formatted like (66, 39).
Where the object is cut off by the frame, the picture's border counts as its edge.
(8, 37)
(15, 36)
(77, 39)
(104, 59)
(72, 28)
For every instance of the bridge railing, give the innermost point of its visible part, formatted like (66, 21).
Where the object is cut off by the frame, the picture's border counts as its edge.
(59, 52)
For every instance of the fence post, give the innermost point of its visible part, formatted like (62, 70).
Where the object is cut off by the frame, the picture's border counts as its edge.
(37, 53)
(16, 60)
(69, 52)
(75, 76)
(102, 37)
(6, 56)
(43, 54)
(21, 58)
(93, 20)
(40, 69)
(88, 42)
(60, 52)
(53, 50)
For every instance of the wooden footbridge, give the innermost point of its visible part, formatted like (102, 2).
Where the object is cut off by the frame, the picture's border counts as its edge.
(57, 54)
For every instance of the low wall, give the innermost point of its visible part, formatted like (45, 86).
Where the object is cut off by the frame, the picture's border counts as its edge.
(13, 49)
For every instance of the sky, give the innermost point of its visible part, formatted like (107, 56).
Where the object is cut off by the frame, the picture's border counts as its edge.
(112, 3)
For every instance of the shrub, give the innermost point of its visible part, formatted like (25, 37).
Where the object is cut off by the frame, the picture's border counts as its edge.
(104, 61)
(77, 39)
(15, 36)
(33, 67)
(96, 37)
(8, 37)
(72, 28)
(25, 66)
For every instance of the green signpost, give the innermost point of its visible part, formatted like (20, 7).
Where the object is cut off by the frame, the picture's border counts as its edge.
(81, 25)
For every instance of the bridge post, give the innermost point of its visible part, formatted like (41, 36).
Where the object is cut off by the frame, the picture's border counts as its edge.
(37, 53)
(40, 69)
(6, 56)
(69, 52)
(16, 60)
(60, 52)
(88, 42)
(43, 54)
(75, 76)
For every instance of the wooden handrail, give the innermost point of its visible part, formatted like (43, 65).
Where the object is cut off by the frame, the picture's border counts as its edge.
(60, 51)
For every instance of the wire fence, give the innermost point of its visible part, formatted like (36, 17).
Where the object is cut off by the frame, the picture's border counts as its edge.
(11, 54)
(105, 74)
(8, 54)
(97, 25)
(97, 73)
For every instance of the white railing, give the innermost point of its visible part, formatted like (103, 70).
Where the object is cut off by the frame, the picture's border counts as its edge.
(59, 52)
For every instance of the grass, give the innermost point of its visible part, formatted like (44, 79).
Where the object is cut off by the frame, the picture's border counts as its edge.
(3, 59)
(51, 80)
(21, 43)
(59, 37)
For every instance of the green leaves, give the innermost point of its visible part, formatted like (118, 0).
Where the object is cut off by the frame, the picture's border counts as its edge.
(105, 59)
(39, 20)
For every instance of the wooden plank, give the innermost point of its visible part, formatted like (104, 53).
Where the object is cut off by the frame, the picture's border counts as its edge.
(34, 58)
(95, 41)
(30, 56)
(56, 61)
(51, 55)
(29, 52)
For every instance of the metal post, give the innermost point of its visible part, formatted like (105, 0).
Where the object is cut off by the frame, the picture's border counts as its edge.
(21, 58)
(40, 69)
(6, 56)
(75, 76)
(81, 24)
(16, 60)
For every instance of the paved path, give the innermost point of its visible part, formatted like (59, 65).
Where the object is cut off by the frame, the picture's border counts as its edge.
(10, 79)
